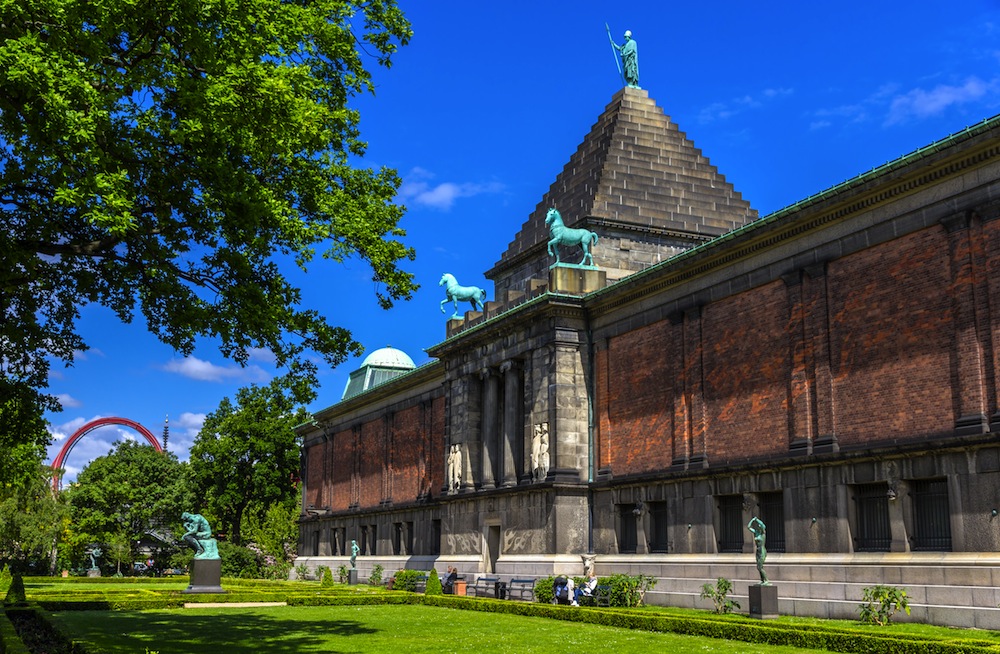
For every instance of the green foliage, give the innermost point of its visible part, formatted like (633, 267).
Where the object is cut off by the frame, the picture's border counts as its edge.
(238, 561)
(406, 579)
(5, 578)
(32, 521)
(718, 595)
(120, 497)
(343, 576)
(244, 462)
(627, 590)
(327, 578)
(302, 572)
(881, 602)
(375, 578)
(15, 594)
(433, 583)
(543, 590)
(180, 161)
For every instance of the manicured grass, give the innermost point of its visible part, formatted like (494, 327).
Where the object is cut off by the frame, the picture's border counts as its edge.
(366, 629)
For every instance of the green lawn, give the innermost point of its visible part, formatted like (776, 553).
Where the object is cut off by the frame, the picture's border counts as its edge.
(366, 629)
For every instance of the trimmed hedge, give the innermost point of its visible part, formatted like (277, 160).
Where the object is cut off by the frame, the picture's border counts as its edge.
(9, 641)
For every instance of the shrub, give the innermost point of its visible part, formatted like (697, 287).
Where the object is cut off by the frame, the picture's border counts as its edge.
(238, 561)
(718, 595)
(343, 576)
(627, 590)
(15, 594)
(543, 590)
(327, 578)
(433, 584)
(407, 580)
(881, 602)
(375, 578)
(302, 572)
(5, 578)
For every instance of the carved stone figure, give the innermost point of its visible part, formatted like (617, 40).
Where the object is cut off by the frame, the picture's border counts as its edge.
(199, 536)
(455, 293)
(559, 234)
(759, 531)
(630, 59)
(355, 550)
(455, 468)
(540, 451)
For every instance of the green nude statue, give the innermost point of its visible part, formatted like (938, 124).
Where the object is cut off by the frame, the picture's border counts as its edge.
(354, 553)
(759, 531)
(630, 58)
(199, 536)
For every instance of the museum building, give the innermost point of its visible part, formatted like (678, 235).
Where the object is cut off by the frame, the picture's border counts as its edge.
(833, 368)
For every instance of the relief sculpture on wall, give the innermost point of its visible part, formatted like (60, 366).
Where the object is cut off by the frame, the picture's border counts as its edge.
(454, 468)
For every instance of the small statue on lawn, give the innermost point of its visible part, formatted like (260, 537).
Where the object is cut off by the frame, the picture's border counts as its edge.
(759, 531)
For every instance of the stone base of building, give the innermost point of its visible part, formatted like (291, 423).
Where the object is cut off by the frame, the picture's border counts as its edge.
(206, 576)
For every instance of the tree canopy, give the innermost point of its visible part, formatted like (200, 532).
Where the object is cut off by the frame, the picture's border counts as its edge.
(246, 456)
(171, 158)
(132, 491)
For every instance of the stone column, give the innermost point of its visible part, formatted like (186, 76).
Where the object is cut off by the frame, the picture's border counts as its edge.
(513, 423)
(490, 429)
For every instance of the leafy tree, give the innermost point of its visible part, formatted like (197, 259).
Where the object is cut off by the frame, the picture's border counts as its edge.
(32, 519)
(132, 491)
(173, 159)
(246, 455)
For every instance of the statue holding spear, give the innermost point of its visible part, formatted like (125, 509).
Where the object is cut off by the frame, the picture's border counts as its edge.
(629, 69)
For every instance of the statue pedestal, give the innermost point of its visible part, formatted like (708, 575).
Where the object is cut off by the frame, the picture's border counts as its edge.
(763, 602)
(575, 279)
(94, 572)
(206, 576)
(352, 577)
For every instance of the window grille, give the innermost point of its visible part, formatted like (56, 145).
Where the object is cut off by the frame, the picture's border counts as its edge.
(730, 523)
(772, 512)
(626, 532)
(872, 512)
(658, 527)
(931, 516)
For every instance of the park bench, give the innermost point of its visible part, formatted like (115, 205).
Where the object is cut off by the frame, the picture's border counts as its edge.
(601, 597)
(488, 587)
(523, 589)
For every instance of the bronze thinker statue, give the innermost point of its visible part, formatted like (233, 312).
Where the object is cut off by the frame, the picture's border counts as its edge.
(199, 536)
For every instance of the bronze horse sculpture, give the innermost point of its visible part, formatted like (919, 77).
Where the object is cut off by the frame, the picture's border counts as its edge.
(561, 235)
(455, 293)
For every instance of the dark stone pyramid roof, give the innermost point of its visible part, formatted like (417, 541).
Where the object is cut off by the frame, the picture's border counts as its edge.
(634, 171)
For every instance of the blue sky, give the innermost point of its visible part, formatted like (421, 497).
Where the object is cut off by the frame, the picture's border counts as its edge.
(482, 109)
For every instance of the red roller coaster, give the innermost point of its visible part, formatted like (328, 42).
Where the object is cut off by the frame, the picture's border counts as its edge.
(67, 447)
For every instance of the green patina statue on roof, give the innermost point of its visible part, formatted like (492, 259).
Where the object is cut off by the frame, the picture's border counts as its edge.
(629, 52)
(455, 293)
(199, 536)
(560, 234)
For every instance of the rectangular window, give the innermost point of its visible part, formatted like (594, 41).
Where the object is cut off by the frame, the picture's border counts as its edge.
(435, 544)
(364, 540)
(408, 537)
(772, 512)
(626, 529)
(730, 523)
(658, 527)
(373, 541)
(931, 516)
(315, 543)
(871, 504)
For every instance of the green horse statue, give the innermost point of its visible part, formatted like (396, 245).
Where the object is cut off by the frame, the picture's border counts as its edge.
(455, 293)
(560, 234)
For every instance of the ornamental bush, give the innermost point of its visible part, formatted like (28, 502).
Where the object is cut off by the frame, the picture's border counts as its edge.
(375, 578)
(407, 580)
(881, 602)
(718, 595)
(433, 584)
(327, 578)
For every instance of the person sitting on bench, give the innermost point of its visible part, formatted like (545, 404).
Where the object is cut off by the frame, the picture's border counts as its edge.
(587, 589)
(448, 585)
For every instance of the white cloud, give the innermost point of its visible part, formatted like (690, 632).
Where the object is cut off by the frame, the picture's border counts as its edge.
(724, 110)
(195, 368)
(261, 354)
(922, 103)
(67, 401)
(418, 189)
